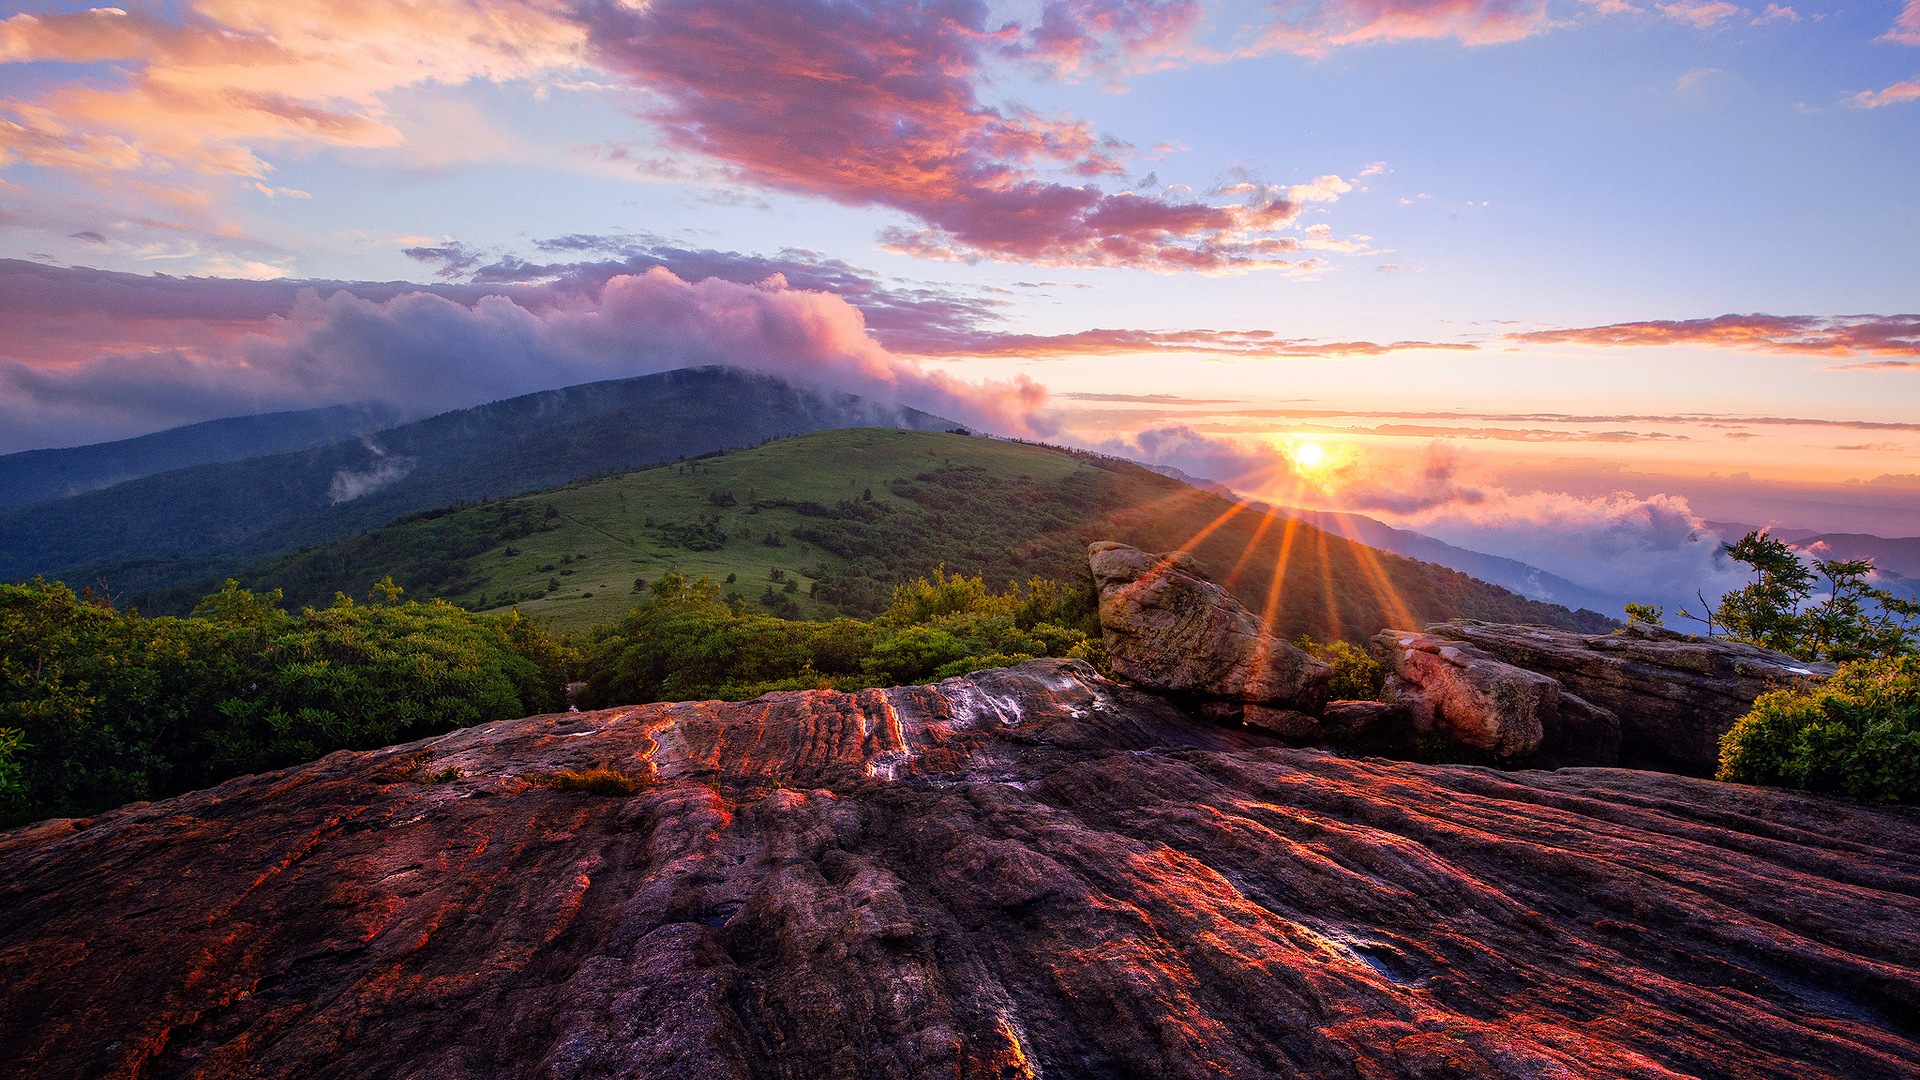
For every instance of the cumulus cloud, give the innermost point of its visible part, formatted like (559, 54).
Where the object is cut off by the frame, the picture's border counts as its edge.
(1250, 467)
(205, 89)
(877, 104)
(1839, 335)
(1074, 37)
(427, 352)
(903, 316)
(1652, 548)
(56, 314)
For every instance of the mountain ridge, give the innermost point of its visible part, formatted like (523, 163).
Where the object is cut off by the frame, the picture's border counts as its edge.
(30, 476)
(830, 522)
(206, 519)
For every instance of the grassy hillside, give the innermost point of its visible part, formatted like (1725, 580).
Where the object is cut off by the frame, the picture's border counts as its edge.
(205, 521)
(830, 522)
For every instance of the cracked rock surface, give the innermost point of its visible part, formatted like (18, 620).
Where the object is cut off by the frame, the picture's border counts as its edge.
(1020, 873)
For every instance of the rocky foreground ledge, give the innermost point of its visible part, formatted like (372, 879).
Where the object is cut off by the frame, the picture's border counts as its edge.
(1022, 873)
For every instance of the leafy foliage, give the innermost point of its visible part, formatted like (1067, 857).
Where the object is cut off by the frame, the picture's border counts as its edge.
(1858, 735)
(1649, 614)
(111, 706)
(1357, 676)
(686, 642)
(1855, 621)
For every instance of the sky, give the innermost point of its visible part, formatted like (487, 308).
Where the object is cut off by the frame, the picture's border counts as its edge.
(1565, 282)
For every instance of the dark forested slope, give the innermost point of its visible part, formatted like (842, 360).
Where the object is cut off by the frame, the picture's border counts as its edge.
(192, 523)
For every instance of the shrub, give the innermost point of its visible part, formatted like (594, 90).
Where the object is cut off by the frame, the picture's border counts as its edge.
(111, 706)
(687, 642)
(11, 787)
(611, 782)
(1356, 675)
(1857, 735)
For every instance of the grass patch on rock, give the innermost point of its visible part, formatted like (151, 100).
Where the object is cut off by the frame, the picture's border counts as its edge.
(601, 781)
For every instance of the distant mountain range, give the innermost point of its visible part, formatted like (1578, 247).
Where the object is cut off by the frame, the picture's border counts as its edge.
(36, 475)
(207, 519)
(1896, 559)
(1511, 574)
(1527, 580)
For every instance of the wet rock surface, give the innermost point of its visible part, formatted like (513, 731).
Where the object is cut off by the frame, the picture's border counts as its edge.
(1029, 872)
(1168, 628)
(1675, 694)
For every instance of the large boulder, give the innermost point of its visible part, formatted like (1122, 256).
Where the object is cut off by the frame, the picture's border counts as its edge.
(1675, 694)
(1465, 695)
(1029, 872)
(1168, 628)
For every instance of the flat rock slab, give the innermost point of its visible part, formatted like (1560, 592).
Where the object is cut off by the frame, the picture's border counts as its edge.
(1675, 694)
(1021, 873)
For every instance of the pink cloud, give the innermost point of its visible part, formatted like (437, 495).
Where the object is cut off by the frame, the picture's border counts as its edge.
(1237, 343)
(876, 104)
(1317, 28)
(1699, 13)
(865, 103)
(233, 349)
(1076, 36)
(1896, 94)
(202, 93)
(1841, 335)
(1906, 25)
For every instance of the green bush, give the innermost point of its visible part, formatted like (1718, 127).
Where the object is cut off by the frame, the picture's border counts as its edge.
(110, 706)
(1857, 735)
(687, 642)
(1356, 675)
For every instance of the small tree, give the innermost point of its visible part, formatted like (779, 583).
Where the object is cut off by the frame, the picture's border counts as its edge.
(1650, 614)
(1855, 621)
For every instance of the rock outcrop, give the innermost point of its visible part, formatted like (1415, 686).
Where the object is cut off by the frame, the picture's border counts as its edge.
(1674, 694)
(1447, 688)
(1021, 873)
(1168, 628)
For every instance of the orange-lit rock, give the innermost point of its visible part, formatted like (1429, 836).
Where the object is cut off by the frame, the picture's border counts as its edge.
(1675, 694)
(1167, 627)
(1022, 873)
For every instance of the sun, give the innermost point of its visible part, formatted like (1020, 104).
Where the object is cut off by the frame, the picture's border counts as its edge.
(1309, 456)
